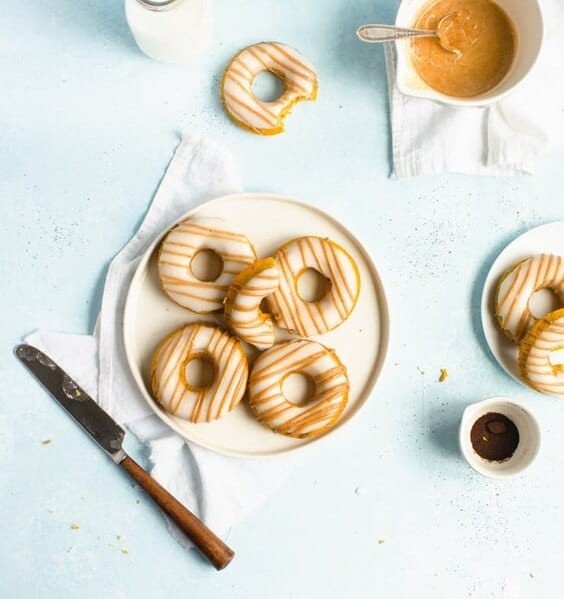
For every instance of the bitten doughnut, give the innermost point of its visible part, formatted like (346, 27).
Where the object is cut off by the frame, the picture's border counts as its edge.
(311, 359)
(183, 243)
(174, 392)
(541, 355)
(336, 265)
(239, 100)
(242, 304)
(517, 286)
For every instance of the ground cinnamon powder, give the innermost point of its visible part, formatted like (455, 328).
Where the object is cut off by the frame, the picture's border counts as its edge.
(494, 437)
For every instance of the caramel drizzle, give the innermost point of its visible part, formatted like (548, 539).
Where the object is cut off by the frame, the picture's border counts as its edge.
(307, 318)
(544, 271)
(175, 257)
(245, 316)
(269, 403)
(230, 378)
(272, 57)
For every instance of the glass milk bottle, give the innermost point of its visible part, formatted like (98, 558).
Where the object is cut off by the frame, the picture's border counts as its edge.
(174, 31)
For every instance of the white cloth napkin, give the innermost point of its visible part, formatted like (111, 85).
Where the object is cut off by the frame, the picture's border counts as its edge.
(219, 489)
(504, 139)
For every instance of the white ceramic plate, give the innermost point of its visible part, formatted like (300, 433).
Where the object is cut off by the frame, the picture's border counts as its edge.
(269, 221)
(546, 239)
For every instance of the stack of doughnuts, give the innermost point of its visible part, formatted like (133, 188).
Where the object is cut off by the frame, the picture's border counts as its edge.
(243, 286)
(541, 341)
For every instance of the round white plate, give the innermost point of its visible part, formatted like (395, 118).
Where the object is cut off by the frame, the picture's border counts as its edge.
(546, 239)
(269, 221)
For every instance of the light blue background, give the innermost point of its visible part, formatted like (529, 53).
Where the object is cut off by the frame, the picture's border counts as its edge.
(88, 124)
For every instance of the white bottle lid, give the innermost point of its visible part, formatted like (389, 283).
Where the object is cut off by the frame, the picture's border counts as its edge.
(159, 4)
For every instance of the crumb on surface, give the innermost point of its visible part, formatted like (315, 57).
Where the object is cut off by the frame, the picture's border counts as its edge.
(137, 501)
(444, 375)
(381, 541)
(420, 371)
(74, 526)
(125, 552)
(46, 442)
(531, 575)
(119, 537)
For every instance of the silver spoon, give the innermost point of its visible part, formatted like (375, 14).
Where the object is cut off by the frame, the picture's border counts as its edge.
(374, 34)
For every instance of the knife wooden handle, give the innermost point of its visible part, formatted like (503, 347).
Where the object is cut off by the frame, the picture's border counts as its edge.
(210, 545)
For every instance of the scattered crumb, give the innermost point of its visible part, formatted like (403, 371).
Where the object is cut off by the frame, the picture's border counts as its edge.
(111, 546)
(74, 526)
(137, 501)
(358, 491)
(381, 541)
(46, 442)
(420, 371)
(125, 552)
(119, 537)
(71, 549)
(444, 375)
(531, 575)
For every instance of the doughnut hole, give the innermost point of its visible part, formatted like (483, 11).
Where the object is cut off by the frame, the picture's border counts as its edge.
(264, 306)
(298, 388)
(312, 286)
(206, 265)
(199, 372)
(267, 86)
(544, 301)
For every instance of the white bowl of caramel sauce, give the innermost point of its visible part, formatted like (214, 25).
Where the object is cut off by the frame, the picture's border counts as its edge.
(486, 49)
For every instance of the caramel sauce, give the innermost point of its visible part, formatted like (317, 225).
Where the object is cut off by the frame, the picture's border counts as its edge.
(474, 50)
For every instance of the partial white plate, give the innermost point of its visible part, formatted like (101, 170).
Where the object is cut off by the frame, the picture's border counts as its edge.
(269, 221)
(546, 239)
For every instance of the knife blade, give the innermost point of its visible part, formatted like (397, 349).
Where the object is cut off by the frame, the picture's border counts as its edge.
(97, 423)
(109, 436)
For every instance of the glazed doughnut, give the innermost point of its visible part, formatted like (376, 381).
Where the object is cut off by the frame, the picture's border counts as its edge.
(516, 287)
(311, 359)
(182, 244)
(545, 338)
(239, 100)
(173, 391)
(336, 265)
(242, 304)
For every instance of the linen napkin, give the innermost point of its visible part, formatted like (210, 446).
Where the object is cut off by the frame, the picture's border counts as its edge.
(503, 139)
(220, 490)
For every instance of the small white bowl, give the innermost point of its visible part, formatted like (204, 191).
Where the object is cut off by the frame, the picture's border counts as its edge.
(526, 16)
(529, 437)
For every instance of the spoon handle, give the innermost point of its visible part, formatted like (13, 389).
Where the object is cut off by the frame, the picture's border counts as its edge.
(374, 34)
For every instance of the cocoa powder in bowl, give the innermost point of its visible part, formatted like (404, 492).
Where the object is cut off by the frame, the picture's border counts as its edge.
(494, 437)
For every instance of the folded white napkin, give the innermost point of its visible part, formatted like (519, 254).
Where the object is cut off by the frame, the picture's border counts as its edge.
(219, 489)
(503, 139)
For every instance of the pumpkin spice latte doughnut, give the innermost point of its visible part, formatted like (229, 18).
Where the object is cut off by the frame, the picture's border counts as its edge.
(239, 99)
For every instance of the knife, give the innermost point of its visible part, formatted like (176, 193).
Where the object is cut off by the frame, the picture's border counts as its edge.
(109, 436)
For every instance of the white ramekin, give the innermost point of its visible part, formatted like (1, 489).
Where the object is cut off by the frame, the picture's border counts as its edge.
(527, 18)
(529, 437)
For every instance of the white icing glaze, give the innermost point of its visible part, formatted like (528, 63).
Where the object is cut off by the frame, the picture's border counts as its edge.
(309, 358)
(239, 99)
(179, 248)
(334, 263)
(517, 287)
(538, 349)
(168, 373)
(242, 305)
